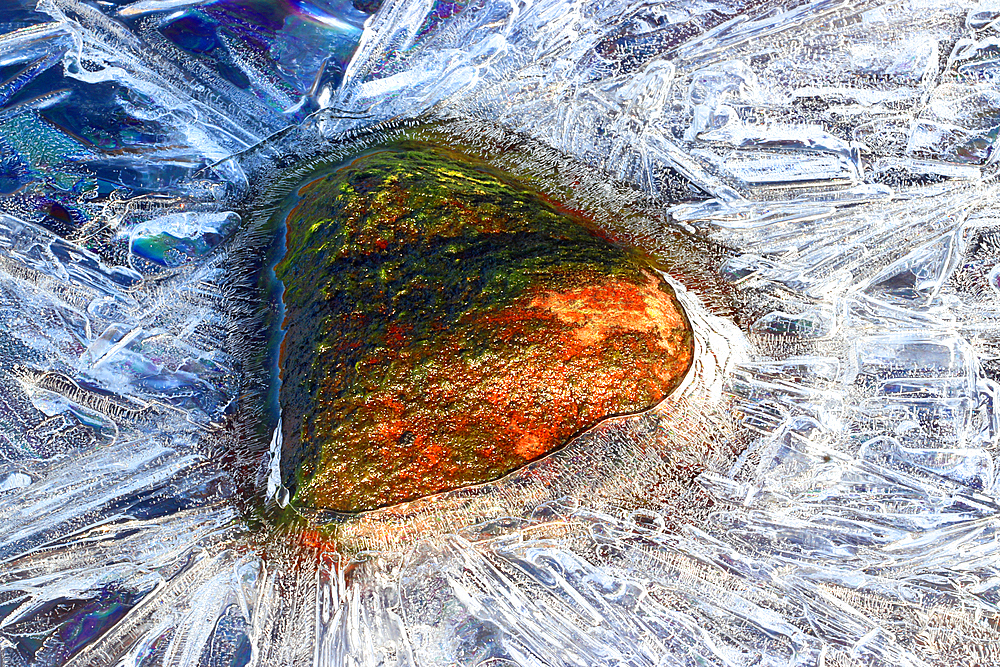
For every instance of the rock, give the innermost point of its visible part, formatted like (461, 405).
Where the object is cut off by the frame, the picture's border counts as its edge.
(446, 325)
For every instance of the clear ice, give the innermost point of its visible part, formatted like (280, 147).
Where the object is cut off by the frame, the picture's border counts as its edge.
(842, 413)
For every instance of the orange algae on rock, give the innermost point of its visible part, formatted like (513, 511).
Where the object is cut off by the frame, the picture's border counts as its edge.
(445, 325)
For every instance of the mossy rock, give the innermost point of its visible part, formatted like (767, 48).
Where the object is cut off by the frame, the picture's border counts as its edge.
(445, 325)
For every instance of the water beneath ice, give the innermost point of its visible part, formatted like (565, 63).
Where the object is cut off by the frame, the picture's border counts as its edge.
(840, 418)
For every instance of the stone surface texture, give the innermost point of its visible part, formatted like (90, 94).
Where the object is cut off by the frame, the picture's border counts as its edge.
(446, 325)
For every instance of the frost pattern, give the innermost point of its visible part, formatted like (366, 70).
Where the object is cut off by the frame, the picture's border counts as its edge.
(840, 153)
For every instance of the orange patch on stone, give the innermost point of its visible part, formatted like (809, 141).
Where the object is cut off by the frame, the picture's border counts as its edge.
(596, 310)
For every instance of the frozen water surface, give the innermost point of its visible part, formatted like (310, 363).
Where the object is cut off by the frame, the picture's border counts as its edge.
(821, 491)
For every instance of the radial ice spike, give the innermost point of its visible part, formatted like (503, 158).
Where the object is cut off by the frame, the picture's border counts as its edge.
(446, 325)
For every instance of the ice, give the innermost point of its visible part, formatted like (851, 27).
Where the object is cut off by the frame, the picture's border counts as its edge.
(174, 239)
(837, 159)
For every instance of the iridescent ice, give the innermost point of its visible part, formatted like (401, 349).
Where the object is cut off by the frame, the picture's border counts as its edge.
(841, 152)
